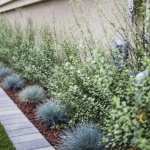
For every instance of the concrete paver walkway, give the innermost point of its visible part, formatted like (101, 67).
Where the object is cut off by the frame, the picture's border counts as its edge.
(20, 130)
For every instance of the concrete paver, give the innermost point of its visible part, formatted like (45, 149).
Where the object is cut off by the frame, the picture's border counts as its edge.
(8, 108)
(26, 138)
(5, 101)
(46, 148)
(31, 145)
(14, 133)
(4, 97)
(14, 121)
(11, 116)
(10, 112)
(7, 105)
(18, 126)
(3, 94)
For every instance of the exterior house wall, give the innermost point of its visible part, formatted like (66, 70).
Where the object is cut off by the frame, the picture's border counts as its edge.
(46, 11)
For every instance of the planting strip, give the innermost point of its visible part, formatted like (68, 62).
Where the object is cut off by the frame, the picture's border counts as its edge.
(20, 130)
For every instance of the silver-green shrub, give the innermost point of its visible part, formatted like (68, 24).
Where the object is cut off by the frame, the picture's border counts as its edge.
(52, 113)
(5, 72)
(13, 82)
(84, 89)
(83, 137)
(33, 93)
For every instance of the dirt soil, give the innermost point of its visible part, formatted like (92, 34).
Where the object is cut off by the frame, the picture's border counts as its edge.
(29, 109)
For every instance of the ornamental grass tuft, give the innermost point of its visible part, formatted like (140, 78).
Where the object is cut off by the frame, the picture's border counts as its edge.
(33, 93)
(83, 137)
(52, 113)
(1, 65)
(5, 72)
(13, 82)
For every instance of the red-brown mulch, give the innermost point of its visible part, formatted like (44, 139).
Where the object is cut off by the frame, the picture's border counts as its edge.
(29, 109)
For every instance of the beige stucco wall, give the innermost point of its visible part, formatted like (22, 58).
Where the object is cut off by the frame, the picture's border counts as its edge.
(44, 11)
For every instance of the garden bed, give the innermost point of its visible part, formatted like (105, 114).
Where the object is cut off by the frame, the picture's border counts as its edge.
(29, 109)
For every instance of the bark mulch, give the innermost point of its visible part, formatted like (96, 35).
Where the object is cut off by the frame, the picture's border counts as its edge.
(29, 109)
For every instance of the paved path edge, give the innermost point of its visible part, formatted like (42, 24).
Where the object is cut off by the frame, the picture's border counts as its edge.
(20, 130)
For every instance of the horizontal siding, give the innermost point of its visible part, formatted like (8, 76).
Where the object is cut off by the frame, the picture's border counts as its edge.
(7, 5)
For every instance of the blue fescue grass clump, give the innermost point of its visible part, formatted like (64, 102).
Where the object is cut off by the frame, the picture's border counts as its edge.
(5, 72)
(52, 113)
(33, 93)
(13, 82)
(1, 65)
(83, 137)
